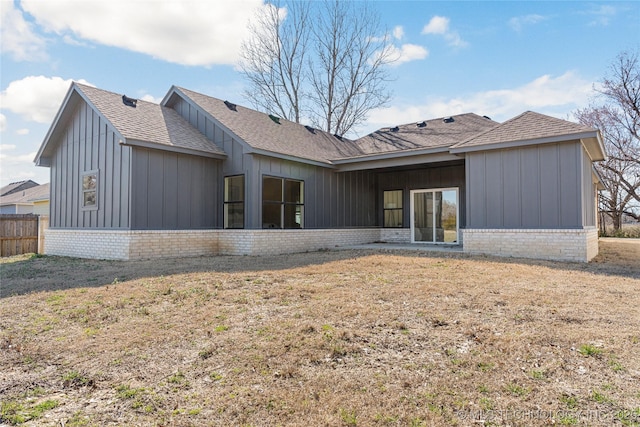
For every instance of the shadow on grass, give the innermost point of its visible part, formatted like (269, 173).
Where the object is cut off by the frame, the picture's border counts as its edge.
(30, 273)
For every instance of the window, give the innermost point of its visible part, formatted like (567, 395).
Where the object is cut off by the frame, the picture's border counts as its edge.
(434, 215)
(282, 203)
(392, 208)
(234, 201)
(90, 190)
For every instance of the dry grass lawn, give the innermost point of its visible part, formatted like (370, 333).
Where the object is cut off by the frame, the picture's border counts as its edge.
(338, 338)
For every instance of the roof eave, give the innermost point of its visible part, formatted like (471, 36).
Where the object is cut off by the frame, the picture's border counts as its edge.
(597, 179)
(595, 147)
(172, 148)
(400, 161)
(290, 157)
(57, 122)
(524, 142)
(54, 126)
(390, 155)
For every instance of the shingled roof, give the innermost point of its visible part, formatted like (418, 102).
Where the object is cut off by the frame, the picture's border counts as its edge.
(148, 122)
(436, 133)
(17, 186)
(145, 124)
(273, 135)
(26, 196)
(528, 126)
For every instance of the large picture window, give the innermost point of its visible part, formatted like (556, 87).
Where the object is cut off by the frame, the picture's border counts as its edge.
(234, 201)
(90, 190)
(282, 203)
(392, 208)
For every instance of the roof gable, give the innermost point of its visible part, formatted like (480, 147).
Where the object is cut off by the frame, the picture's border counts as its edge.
(531, 128)
(265, 134)
(142, 123)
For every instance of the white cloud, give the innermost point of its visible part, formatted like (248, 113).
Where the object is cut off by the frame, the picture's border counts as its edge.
(3, 122)
(18, 38)
(439, 25)
(7, 147)
(602, 15)
(398, 32)
(17, 159)
(518, 22)
(185, 32)
(407, 52)
(35, 98)
(555, 96)
(23, 131)
(151, 98)
(20, 167)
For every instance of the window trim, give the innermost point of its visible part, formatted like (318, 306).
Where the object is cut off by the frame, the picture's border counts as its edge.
(282, 202)
(434, 241)
(401, 209)
(84, 191)
(233, 202)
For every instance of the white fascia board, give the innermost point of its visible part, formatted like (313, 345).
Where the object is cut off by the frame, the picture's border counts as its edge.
(594, 147)
(524, 142)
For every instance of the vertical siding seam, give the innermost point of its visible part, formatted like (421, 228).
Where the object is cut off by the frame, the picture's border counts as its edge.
(558, 211)
(485, 219)
(539, 185)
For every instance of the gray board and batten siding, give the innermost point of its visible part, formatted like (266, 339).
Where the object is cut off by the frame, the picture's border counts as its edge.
(439, 175)
(137, 188)
(547, 186)
(89, 143)
(331, 199)
(174, 191)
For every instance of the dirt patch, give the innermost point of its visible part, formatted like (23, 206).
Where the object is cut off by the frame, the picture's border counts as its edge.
(326, 338)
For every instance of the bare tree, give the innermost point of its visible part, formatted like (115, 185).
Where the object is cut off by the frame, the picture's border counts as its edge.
(274, 59)
(324, 62)
(618, 170)
(618, 117)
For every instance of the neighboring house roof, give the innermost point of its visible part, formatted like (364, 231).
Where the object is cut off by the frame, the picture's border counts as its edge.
(531, 128)
(17, 186)
(264, 135)
(146, 124)
(26, 197)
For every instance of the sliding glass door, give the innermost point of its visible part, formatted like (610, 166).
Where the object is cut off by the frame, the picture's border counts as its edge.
(434, 216)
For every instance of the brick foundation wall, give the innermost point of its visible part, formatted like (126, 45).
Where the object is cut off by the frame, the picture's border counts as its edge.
(146, 244)
(579, 245)
(274, 242)
(395, 235)
(562, 245)
(102, 244)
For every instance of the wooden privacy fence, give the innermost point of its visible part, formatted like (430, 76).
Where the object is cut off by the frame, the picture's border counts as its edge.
(21, 234)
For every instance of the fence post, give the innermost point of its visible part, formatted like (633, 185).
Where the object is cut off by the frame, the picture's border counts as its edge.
(43, 224)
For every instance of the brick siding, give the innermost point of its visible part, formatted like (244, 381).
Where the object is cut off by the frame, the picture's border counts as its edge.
(579, 245)
(565, 245)
(124, 244)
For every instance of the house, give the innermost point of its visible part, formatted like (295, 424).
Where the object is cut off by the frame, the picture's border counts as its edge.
(196, 175)
(25, 197)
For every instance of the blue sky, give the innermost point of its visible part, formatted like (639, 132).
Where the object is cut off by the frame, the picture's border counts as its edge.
(492, 58)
